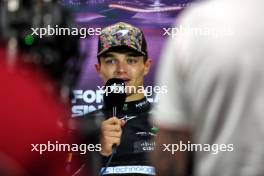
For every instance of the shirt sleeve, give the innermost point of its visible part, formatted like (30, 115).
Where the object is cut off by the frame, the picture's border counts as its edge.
(170, 111)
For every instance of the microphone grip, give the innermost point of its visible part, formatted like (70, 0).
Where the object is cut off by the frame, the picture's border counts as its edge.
(114, 111)
(114, 147)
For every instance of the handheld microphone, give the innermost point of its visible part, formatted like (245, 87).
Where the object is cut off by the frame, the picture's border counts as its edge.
(114, 97)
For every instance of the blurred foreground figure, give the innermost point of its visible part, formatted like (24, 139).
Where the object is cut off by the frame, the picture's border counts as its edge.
(215, 81)
(36, 81)
(30, 114)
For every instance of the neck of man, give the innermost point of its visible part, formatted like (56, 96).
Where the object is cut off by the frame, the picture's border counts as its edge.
(134, 97)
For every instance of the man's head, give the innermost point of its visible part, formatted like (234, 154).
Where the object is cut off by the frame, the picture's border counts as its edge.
(122, 53)
(122, 34)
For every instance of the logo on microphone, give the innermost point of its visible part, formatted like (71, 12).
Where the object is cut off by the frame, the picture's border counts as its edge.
(115, 88)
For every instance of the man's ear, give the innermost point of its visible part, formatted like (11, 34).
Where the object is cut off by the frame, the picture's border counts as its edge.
(147, 66)
(97, 68)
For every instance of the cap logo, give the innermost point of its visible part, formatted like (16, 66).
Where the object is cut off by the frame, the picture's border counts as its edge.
(122, 32)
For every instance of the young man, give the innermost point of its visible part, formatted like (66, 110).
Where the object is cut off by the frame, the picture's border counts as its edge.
(216, 96)
(122, 53)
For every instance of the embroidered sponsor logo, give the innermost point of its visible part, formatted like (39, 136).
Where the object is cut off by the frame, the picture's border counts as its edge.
(139, 105)
(149, 170)
(144, 146)
(145, 133)
(127, 118)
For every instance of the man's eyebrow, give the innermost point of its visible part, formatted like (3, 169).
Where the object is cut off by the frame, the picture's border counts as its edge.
(132, 54)
(108, 55)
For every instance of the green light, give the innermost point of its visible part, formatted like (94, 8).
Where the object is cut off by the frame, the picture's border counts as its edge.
(154, 130)
(29, 39)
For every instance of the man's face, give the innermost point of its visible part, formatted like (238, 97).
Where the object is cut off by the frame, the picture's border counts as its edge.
(128, 66)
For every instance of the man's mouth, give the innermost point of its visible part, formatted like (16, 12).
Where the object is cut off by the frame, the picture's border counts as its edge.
(126, 80)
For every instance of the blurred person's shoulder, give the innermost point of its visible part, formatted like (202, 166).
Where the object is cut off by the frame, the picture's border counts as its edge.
(217, 29)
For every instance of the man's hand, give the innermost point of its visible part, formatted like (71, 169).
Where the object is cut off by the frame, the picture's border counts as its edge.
(111, 131)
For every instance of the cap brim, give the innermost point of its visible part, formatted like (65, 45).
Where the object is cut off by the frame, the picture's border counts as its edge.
(130, 47)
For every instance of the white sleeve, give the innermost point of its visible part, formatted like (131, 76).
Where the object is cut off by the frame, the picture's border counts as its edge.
(170, 111)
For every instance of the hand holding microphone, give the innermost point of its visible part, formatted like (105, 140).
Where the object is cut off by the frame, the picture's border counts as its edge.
(111, 129)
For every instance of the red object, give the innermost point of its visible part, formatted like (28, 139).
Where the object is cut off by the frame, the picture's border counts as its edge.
(30, 113)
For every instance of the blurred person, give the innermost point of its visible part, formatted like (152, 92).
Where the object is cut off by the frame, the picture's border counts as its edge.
(122, 53)
(37, 79)
(215, 92)
(30, 114)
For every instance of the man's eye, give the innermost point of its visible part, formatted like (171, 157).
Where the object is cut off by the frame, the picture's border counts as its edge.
(131, 60)
(110, 61)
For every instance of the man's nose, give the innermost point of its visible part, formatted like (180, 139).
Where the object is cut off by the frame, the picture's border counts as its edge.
(121, 68)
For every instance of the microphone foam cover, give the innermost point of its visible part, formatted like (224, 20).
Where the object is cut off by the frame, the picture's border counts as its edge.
(114, 95)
